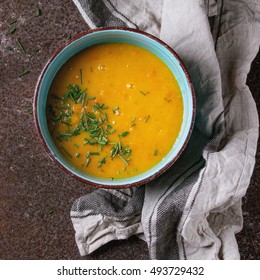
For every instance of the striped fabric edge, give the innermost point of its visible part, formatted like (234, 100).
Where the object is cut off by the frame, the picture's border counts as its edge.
(102, 13)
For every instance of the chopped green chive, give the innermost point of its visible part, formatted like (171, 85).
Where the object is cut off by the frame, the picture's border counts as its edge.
(66, 152)
(115, 109)
(123, 134)
(143, 93)
(24, 73)
(101, 161)
(50, 211)
(95, 123)
(21, 46)
(123, 152)
(87, 162)
(67, 123)
(133, 122)
(102, 141)
(68, 38)
(148, 117)
(12, 21)
(94, 153)
(92, 142)
(105, 117)
(29, 110)
(112, 143)
(83, 99)
(98, 107)
(66, 134)
(123, 159)
(12, 30)
(8, 48)
(33, 50)
(80, 75)
(38, 12)
(111, 131)
(76, 130)
(155, 153)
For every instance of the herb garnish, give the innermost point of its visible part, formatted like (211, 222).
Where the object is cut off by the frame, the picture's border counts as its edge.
(87, 162)
(94, 123)
(68, 38)
(8, 48)
(38, 12)
(12, 21)
(133, 122)
(94, 153)
(33, 50)
(67, 123)
(21, 46)
(101, 161)
(12, 30)
(115, 110)
(29, 110)
(74, 93)
(50, 211)
(147, 118)
(123, 152)
(80, 75)
(98, 107)
(66, 152)
(25, 72)
(123, 159)
(123, 134)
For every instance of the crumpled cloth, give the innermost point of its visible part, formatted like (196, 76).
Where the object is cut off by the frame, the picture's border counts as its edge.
(193, 211)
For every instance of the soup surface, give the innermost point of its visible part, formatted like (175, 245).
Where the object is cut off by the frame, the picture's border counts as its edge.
(114, 110)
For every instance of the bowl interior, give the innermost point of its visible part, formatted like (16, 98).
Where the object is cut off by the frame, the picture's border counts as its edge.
(115, 35)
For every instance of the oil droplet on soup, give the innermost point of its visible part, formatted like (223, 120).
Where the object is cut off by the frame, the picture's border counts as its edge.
(114, 110)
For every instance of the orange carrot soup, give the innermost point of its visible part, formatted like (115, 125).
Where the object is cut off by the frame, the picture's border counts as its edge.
(114, 110)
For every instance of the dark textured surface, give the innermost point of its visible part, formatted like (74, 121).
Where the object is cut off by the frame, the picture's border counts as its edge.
(249, 238)
(36, 195)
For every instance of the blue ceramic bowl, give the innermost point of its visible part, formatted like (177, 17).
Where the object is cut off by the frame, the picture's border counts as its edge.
(98, 36)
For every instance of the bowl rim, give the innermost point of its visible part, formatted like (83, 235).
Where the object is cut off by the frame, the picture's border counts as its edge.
(161, 170)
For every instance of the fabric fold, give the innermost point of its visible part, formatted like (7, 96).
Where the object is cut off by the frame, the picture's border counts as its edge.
(106, 215)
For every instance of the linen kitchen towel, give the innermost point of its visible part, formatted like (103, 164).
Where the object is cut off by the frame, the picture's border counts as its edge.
(193, 211)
